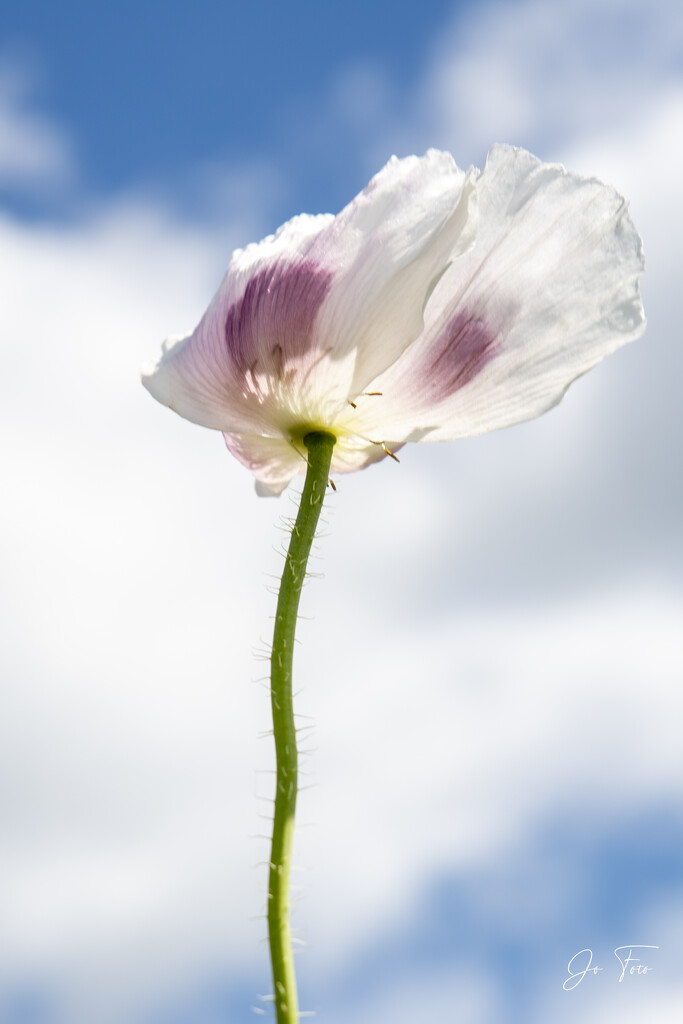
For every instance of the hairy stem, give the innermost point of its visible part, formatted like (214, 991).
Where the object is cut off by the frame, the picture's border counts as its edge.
(319, 446)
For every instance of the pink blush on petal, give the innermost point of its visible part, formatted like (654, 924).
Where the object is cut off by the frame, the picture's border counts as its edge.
(463, 348)
(272, 323)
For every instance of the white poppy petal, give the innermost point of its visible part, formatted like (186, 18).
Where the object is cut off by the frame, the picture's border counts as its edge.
(304, 317)
(436, 305)
(547, 291)
(275, 461)
(390, 245)
(303, 313)
(254, 335)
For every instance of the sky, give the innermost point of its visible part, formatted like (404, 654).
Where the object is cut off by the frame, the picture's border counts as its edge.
(491, 660)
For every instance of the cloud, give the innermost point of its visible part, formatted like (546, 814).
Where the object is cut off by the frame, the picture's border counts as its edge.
(34, 152)
(115, 725)
(472, 729)
(496, 637)
(443, 995)
(543, 77)
(660, 1009)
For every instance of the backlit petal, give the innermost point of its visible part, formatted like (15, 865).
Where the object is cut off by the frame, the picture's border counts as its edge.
(305, 317)
(275, 461)
(436, 305)
(252, 338)
(548, 290)
(389, 247)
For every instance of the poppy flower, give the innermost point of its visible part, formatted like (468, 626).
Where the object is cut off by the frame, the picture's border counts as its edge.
(438, 304)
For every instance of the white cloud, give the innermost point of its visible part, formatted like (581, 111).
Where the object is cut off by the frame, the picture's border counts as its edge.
(659, 1009)
(33, 150)
(103, 544)
(471, 729)
(134, 558)
(434, 995)
(544, 76)
(133, 561)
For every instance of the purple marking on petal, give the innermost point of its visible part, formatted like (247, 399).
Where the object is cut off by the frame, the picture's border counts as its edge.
(272, 324)
(464, 347)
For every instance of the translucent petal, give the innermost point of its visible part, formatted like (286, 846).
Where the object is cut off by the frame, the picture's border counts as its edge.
(304, 317)
(389, 246)
(547, 291)
(436, 305)
(252, 338)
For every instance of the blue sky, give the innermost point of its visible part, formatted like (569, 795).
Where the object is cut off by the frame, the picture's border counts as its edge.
(496, 760)
(150, 88)
(152, 93)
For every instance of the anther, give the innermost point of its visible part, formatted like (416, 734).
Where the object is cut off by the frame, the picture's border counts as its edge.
(385, 449)
(366, 394)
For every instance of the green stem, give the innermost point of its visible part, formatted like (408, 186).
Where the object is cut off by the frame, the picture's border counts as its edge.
(319, 446)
